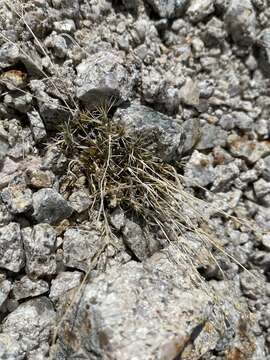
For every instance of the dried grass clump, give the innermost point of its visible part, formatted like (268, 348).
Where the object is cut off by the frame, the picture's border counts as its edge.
(121, 171)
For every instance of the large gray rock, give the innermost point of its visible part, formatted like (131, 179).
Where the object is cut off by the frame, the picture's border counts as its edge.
(145, 311)
(240, 21)
(101, 78)
(40, 245)
(164, 135)
(80, 247)
(31, 325)
(168, 8)
(11, 248)
(50, 207)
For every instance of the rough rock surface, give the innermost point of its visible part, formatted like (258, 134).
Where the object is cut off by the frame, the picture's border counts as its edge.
(192, 76)
(50, 207)
(26, 288)
(148, 310)
(102, 77)
(11, 247)
(40, 245)
(166, 137)
(30, 324)
(80, 247)
(168, 8)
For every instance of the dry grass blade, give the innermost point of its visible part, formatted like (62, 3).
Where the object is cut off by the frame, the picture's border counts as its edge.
(122, 172)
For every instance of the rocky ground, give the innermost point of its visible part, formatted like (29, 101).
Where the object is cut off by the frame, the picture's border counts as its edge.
(195, 72)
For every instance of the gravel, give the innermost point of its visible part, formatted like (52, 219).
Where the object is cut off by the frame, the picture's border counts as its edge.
(193, 78)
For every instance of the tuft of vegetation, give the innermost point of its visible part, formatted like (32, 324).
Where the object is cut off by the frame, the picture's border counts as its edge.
(121, 171)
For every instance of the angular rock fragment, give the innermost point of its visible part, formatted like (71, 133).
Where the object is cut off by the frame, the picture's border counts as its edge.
(162, 88)
(214, 32)
(199, 169)
(5, 288)
(58, 45)
(65, 26)
(40, 246)
(5, 216)
(168, 8)
(11, 248)
(31, 324)
(242, 121)
(54, 160)
(266, 241)
(225, 175)
(118, 219)
(135, 240)
(50, 207)
(17, 198)
(189, 93)
(240, 21)
(80, 247)
(39, 179)
(37, 126)
(8, 172)
(11, 54)
(63, 285)
(80, 201)
(53, 113)
(27, 288)
(211, 136)
(146, 311)
(249, 150)
(103, 78)
(261, 188)
(164, 134)
(18, 101)
(192, 131)
(200, 9)
(68, 8)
